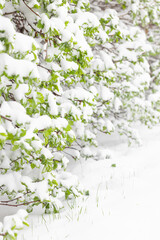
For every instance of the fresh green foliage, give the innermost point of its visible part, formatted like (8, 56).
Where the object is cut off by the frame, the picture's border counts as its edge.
(70, 69)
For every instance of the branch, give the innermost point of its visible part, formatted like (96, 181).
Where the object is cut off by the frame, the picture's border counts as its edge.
(5, 118)
(2, 234)
(56, 94)
(8, 119)
(69, 154)
(7, 201)
(8, 13)
(78, 144)
(72, 148)
(102, 104)
(124, 13)
(30, 8)
(17, 205)
(49, 70)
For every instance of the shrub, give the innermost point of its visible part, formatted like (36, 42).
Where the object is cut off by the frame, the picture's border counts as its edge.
(69, 70)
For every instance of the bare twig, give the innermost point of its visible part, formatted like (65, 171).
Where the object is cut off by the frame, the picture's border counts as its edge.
(5, 118)
(7, 201)
(30, 8)
(72, 148)
(8, 119)
(102, 104)
(56, 94)
(69, 154)
(2, 234)
(49, 70)
(8, 13)
(18, 205)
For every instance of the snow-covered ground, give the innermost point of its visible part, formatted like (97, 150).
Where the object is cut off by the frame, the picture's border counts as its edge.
(124, 201)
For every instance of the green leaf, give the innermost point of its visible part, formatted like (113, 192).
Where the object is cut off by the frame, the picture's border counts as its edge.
(37, 6)
(68, 128)
(33, 47)
(23, 132)
(40, 25)
(40, 97)
(113, 165)
(33, 165)
(3, 134)
(87, 193)
(25, 223)
(15, 147)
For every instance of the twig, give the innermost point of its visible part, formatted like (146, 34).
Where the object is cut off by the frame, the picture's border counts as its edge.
(102, 104)
(8, 13)
(78, 144)
(7, 201)
(49, 70)
(17, 205)
(30, 8)
(8, 119)
(2, 234)
(69, 154)
(56, 94)
(5, 118)
(72, 148)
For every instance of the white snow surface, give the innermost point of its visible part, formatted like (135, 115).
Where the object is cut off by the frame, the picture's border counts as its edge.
(124, 201)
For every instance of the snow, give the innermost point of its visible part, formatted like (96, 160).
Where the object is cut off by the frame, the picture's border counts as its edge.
(14, 220)
(7, 26)
(123, 201)
(19, 93)
(107, 59)
(117, 104)
(21, 68)
(87, 17)
(43, 122)
(67, 107)
(11, 180)
(28, 47)
(154, 97)
(42, 194)
(142, 79)
(80, 94)
(5, 161)
(123, 184)
(2, 131)
(68, 65)
(32, 3)
(105, 93)
(82, 43)
(15, 110)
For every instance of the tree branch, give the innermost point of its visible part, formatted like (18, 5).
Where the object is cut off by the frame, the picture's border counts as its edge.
(56, 94)
(30, 8)
(2, 234)
(7, 201)
(39, 65)
(8, 119)
(8, 13)
(5, 118)
(17, 205)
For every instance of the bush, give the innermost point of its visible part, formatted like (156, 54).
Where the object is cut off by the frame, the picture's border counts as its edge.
(69, 70)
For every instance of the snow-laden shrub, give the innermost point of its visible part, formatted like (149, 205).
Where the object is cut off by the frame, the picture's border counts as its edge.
(12, 224)
(69, 70)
